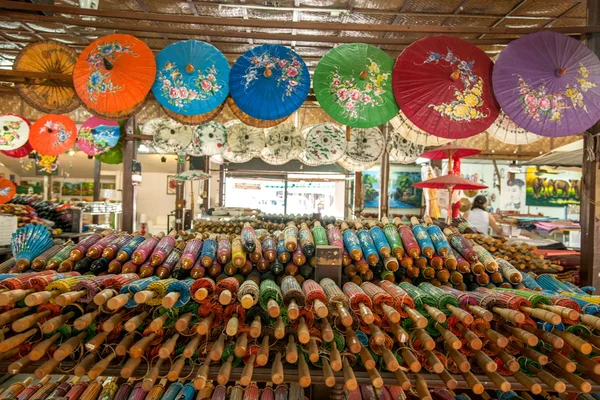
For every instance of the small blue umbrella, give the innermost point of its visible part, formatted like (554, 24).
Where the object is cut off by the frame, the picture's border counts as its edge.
(192, 77)
(269, 82)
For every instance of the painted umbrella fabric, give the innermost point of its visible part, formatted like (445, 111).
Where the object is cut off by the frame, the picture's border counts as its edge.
(269, 82)
(401, 150)
(208, 139)
(402, 126)
(191, 175)
(192, 77)
(353, 84)
(7, 190)
(325, 144)
(443, 85)
(506, 131)
(248, 120)
(365, 145)
(53, 134)
(549, 84)
(243, 142)
(20, 152)
(169, 136)
(14, 131)
(114, 74)
(97, 136)
(283, 143)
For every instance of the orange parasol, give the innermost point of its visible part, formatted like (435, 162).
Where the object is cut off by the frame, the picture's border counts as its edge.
(195, 119)
(47, 57)
(248, 120)
(114, 74)
(53, 134)
(7, 190)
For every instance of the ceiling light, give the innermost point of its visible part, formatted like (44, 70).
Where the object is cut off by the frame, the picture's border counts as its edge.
(71, 153)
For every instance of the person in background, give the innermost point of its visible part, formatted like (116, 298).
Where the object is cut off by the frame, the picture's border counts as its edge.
(480, 218)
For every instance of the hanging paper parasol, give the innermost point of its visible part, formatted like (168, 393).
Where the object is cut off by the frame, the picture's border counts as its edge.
(410, 132)
(53, 134)
(114, 74)
(208, 139)
(7, 190)
(443, 85)
(402, 150)
(192, 77)
(20, 152)
(248, 120)
(243, 142)
(549, 84)
(112, 156)
(506, 131)
(169, 136)
(365, 145)
(449, 151)
(325, 144)
(14, 131)
(191, 175)
(195, 119)
(353, 84)
(97, 136)
(283, 143)
(269, 82)
(47, 57)
(353, 166)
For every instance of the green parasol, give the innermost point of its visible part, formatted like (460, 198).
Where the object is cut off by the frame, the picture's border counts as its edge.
(353, 84)
(112, 156)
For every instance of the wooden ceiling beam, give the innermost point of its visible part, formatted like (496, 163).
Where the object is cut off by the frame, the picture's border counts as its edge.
(260, 23)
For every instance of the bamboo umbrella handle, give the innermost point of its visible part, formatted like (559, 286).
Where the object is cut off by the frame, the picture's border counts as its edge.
(544, 315)
(352, 341)
(104, 296)
(86, 363)
(410, 360)
(377, 335)
(152, 376)
(484, 362)
(124, 345)
(130, 367)
(41, 348)
(304, 378)
(241, 345)
(563, 312)
(279, 328)
(113, 321)
(139, 348)
(367, 359)
(46, 368)
(534, 355)
(192, 346)
(96, 341)
(85, 320)
(167, 349)
(459, 359)
(435, 314)
(580, 384)
(170, 299)
(68, 347)
(320, 308)
(16, 366)
(293, 310)
(273, 308)
(204, 325)
(291, 351)
(592, 339)
(344, 315)
(326, 331)
(134, 322)
(481, 312)
(225, 297)
(509, 361)
(391, 363)
(262, 358)
(16, 340)
(472, 339)
(13, 296)
(587, 363)
(399, 333)
(349, 378)
(119, 301)
(233, 325)
(225, 371)
(449, 337)
(247, 301)
(248, 370)
(526, 381)
(302, 332)
(375, 377)
(426, 341)
(366, 314)
(27, 322)
(54, 323)
(201, 294)
(473, 382)
(590, 320)
(255, 327)
(277, 370)
(422, 389)
(313, 351)
(528, 338)
(217, 349)
(35, 299)
(176, 369)
(511, 315)
(391, 314)
(402, 379)
(11, 315)
(448, 379)
(496, 338)
(562, 361)
(100, 366)
(69, 298)
(158, 322)
(578, 343)
(336, 358)
(202, 375)
(434, 363)
(328, 375)
(498, 380)
(553, 382)
(419, 320)
(461, 314)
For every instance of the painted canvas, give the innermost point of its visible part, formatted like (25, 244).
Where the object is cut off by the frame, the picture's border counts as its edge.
(370, 188)
(71, 189)
(550, 187)
(171, 184)
(401, 190)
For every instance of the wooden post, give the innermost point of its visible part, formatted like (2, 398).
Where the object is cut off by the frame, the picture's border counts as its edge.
(180, 194)
(358, 203)
(221, 185)
(97, 170)
(384, 178)
(129, 190)
(589, 214)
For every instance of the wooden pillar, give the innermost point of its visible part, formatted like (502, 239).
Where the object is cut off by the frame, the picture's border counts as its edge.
(590, 181)
(358, 199)
(206, 198)
(384, 179)
(221, 185)
(180, 194)
(97, 171)
(129, 190)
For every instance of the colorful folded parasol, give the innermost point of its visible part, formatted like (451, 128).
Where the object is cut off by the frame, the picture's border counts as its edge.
(353, 84)
(20, 152)
(248, 120)
(114, 74)
(192, 77)
(269, 82)
(195, 119)
(408, 130)
(208, 139)
(97, 136)
(7, 190)
(549, 84)
(443, 85)
(325, 144)
(14, 131)
(243, 142)
(506, 131)
(169, 136)
(53, 134)
(283, 143)
(48, 57)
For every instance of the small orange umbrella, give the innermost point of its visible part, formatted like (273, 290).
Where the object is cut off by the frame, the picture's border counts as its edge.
(53, 134)
(7, 190)
(114, 74)
(248, 120)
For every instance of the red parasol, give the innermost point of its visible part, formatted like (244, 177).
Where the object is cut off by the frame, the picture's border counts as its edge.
(7, 190)
(53, 134)
(450, 152)
(20, 152)
(443, 85)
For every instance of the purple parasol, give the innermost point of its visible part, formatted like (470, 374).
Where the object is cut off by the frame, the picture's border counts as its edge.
(548, 84)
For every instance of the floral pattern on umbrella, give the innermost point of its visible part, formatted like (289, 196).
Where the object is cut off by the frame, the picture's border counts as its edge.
(53, 134)
(101, 82)
(401, 150)
(366, 145)
(14, 131)
(208, 139)
(325, 144)
(243, 142)
(169, 136)
(283, 143)
(178, 95)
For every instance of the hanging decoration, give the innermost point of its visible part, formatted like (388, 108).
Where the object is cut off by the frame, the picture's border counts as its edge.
(47, 57)
(208, 139)
(169, 136)
(53, 134)
(97, 136)
(549, 84)
(14, 131)
(248, 120)
(355, 166)
(353, 84)
(46, 165)
(195, 119)
(269, 82)
(401, 150)
(113, 75)
(408, 130)
(283, 143)
(443, 85)
(506, 131)
(7, 190)
(365, 146)
(243, 142)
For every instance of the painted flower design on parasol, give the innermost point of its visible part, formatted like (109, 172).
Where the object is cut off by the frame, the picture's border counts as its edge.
(208, 139)
(291, 71)
(325, 144)
(176, 92)
(353, 95)
(10, 133)
(103, 56)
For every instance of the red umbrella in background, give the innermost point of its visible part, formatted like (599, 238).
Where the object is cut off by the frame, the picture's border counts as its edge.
(7, 190)
(452, 153)
(20, 152)
(443, 85)
(53, 134)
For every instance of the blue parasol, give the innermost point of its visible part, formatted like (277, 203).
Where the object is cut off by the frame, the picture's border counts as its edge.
(192, 77)
(269, 82)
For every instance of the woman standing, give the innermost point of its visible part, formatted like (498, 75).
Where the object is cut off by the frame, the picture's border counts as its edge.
(480, 218)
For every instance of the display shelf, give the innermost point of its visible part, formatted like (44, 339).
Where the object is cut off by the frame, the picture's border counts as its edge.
(291, 375)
